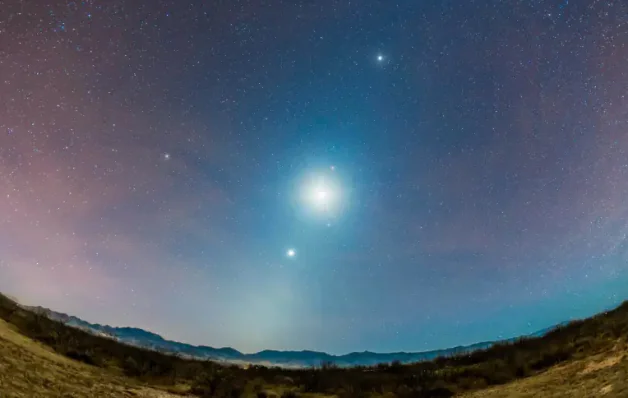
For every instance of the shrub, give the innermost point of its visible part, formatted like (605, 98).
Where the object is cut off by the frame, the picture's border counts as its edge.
(440, 390)
(82, 356)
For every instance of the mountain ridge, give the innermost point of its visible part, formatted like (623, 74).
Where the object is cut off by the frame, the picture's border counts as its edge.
(304, 358)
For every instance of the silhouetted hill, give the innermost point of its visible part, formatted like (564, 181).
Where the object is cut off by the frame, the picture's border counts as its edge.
(144, 339)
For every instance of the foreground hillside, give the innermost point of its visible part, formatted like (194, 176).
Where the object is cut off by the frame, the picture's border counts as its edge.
(601, 375)
(30, 369)
(42, 357)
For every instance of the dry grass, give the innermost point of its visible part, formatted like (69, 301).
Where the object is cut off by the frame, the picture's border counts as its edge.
(29, 369)
(601, 375)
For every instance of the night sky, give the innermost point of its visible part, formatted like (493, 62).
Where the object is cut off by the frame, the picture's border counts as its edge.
(328, 175)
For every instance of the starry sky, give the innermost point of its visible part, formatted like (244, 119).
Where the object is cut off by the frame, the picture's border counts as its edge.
(157, 161)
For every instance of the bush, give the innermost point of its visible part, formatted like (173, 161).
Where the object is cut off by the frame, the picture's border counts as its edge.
(131, 368)
(440, 390)
(82, 356)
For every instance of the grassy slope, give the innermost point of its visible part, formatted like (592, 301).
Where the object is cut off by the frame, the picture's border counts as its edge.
(30, 369)
(601, 375)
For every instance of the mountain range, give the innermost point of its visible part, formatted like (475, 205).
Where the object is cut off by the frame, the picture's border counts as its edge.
(293, 359)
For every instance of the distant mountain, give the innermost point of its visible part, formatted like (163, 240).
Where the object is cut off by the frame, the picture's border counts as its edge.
(142, 338)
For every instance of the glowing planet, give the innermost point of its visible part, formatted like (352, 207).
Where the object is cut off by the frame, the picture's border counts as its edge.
(321, 194)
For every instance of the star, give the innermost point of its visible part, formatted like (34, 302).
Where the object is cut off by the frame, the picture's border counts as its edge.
(380, 58)
(166, 156)
(291, 253)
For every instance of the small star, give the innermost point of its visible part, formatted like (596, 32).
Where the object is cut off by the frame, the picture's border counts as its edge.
(380, 58)
(166, 156)
(332, 167)
(291, 253)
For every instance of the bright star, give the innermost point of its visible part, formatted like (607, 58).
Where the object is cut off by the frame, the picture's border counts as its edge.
(291, 253)
(380, 58)
(166, 156)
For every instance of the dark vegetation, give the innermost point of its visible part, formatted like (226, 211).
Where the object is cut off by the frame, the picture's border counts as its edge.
(442, 377)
